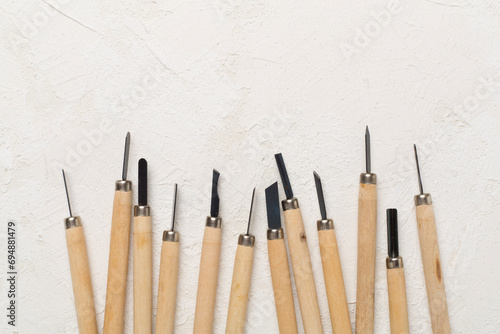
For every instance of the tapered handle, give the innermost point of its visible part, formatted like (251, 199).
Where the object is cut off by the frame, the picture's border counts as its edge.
(167, 287)
(302, 271)
(367, 235)
(433, 271)
(240, 288)
(334, 282)
(398, 306)
(143, 275)
(207, 281)
(282, 286)
(118, 263)
(82, 284)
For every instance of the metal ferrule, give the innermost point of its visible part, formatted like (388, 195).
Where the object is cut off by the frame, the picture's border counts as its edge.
(273, 234)
(72, 222)
(214, 222)
(290, 204)
(142, 211)
(423, 199)
(325, 224)
(246, 240)
(123, 185)
(170, 236)
(394, 262)
(368, 178)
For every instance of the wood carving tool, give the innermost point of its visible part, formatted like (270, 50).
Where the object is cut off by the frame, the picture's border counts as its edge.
(332, 270)
(143, 253)
(431, 259)
(396, 286)
(118, 251)
(167, 286)
(278, 261)
(367, 236)
(80, 271)
(299, 253)
(209, 266)
(242, 274)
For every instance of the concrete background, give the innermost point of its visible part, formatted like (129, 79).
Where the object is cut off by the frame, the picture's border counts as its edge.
(226, 84)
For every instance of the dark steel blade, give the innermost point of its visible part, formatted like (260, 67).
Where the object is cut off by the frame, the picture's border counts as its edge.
(214, 207)
(418, 171)
(273, 207)
(125, 156)
(251, 209)
(321, 198)
(368, 158)
(143, 182)
(392, 233)
(284, 175)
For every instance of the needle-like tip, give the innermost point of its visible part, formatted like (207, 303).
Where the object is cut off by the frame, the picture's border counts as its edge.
(143, 182)
(175, 206)
(284, 175)
(251, 209)
(418, 170)
(321, 198)
(125, 156)
(67, 196)
(367, 151)
(214, 206)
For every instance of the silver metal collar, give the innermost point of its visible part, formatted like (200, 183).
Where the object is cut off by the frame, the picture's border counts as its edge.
(290, 204)
(72, 222)
(170, 236)
(214, 222)
(273, 234)
(394, 262)
(423, 199)
(246, 240)
(325, 224)
(123, 185)
(142, 211)
(368, 178)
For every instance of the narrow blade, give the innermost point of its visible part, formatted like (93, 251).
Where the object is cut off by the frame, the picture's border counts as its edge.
(273, 206)
(143, 182)
(321, 198)
(284, 175)
(214, 207)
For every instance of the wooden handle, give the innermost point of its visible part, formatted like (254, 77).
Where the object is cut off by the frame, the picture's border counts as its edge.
(433, 272)
(82, 284)
(334, 282)
(282, 286)
(143, 275)
(367, 235)
(302, 272)
(207, 281)
(118, 263)
(240, 288)
(167, 287)
(398, 306)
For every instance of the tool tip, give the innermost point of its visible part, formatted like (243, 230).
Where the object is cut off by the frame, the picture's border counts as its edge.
(214, 205)
(316, 176)
(392, 233)
(284, 175)
(143, 182)
(67, 194)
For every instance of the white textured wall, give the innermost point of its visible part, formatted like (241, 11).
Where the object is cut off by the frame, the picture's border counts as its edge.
(226, 84)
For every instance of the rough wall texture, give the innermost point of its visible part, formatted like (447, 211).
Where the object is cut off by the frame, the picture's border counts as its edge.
(226, 84)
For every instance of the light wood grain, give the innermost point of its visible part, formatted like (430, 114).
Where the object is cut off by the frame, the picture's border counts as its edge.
(398, 306)
(167, 287)
(282, 286)
(207, 281)
(143, 275)
(334, 282)
(240, 288)
(433, 270)
(82, 283)
(367, 236)
(302, 272)
(118, 263)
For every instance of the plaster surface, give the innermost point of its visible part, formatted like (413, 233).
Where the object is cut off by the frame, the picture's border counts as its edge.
(226, 84)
